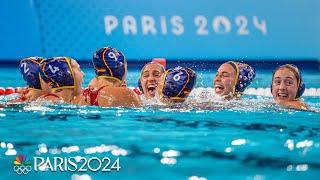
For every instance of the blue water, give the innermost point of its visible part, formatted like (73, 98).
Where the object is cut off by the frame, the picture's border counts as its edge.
(253, 139)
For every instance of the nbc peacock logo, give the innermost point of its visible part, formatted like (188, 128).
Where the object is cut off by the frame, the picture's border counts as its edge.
(21, 165)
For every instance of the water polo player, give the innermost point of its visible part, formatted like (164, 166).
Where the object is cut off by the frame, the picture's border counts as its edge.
(232, 79)
(105, 89)
(64, 77)
(177, 84)
(151, 77)
(29, 68)
(287, 86)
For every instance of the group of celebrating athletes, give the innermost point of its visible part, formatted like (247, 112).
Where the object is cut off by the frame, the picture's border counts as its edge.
(59, 80)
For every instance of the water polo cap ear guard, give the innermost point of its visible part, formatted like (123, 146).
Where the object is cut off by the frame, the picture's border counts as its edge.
(244, 76)
(110, 63)
(235, 67)
(58, 73)
(29, 68)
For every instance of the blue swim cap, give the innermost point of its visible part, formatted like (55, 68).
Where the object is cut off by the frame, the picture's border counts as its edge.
(58, 73)
(245, 75)
(178, 83)
(29, 68)
(297, 73)
(110, 62)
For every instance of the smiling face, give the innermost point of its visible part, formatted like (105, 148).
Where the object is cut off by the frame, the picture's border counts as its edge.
(224, 81)
(151, 78)
(284, 85)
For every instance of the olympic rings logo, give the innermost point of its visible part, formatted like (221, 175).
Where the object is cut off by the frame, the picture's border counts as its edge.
(21, 169)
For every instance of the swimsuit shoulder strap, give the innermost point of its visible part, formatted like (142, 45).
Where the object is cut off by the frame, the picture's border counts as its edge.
(93, 94)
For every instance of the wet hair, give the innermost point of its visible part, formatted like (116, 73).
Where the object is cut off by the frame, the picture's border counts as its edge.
(295, 70)
(153, 62)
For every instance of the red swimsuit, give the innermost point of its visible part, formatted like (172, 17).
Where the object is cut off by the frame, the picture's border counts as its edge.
(93, 94)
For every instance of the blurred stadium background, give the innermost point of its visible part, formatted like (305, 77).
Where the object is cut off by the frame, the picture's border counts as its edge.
(206, 31)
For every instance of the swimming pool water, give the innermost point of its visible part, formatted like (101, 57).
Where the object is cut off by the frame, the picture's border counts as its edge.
(252, 139)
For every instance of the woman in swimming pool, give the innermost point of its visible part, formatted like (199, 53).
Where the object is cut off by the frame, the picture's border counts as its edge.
(105, 89)
(151, 77)
(29, 68)
(232, 79)
(287, 87)
(177, 85)
(64, 78)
